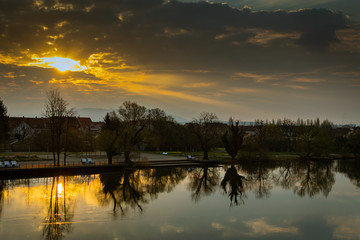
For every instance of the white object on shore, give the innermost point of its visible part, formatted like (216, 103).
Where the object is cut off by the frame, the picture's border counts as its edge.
(14, 164)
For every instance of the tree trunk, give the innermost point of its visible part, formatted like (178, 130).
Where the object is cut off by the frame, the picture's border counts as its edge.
(206, 157)
(109, 157)
(127, 156)
(58, 158)
(66, 139)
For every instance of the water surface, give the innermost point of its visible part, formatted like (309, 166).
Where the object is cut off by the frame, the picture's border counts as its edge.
(306, 200)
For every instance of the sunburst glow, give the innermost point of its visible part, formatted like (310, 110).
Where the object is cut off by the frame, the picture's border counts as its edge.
(60, 190)
(61, 64)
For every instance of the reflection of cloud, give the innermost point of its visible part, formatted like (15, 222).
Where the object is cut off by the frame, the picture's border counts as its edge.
(232, 220)
(217, 226)
(346, 227)
(260, 227)
(170, 228)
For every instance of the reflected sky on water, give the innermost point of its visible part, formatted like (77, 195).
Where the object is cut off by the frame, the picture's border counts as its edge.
(294, 200)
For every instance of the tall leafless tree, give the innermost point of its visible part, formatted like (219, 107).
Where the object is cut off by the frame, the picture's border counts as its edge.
(206, 129)
(133, 120)
(57, 111)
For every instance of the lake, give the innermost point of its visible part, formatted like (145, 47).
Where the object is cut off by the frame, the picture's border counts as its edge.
(266, 200)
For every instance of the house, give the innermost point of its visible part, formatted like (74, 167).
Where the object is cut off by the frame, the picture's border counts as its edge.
(24, 131)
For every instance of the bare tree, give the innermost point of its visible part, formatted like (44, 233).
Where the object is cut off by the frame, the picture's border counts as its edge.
(133, 120)
(57, 111)
(206, 129)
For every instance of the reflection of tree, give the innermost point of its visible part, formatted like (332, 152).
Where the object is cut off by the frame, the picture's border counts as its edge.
(123, 189)
(2, 189)
(259, 178)
(60, 211)
(130, 189)
(203, 181)
(234, 181)
(286, 175)
(314, 178)
(351, 168)
(163, 179)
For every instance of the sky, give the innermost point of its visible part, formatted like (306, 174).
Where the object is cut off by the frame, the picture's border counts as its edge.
(248, 59)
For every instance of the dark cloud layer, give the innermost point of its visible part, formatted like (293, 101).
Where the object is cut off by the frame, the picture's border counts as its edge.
(161, 34)
(206, 54)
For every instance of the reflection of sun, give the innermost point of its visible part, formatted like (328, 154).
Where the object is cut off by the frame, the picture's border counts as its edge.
(62, 64)
(60, 189)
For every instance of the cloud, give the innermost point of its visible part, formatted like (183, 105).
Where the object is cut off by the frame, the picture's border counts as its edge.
(209, 54)
(346, 228)
(200, 85)
(308, 80)
(148, 32)
(255, 77)
(297, 87)
(262, 228)
(170, 36)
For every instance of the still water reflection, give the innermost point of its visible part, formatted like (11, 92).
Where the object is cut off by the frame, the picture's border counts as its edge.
(293, 200)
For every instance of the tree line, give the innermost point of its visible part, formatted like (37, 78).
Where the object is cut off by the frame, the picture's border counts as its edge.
(134, 127)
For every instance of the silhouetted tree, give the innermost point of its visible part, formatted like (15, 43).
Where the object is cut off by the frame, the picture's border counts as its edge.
(4, 123)
(272, 137)
(163, 128)
(324, 141)
(233, 138)
(109, 135)
(206, 128)
(287, 126)
(133, 120)
(353, 141)
(56, 110)
(306, 136)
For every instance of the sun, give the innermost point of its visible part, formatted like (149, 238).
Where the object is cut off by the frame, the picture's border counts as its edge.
(60, 63)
